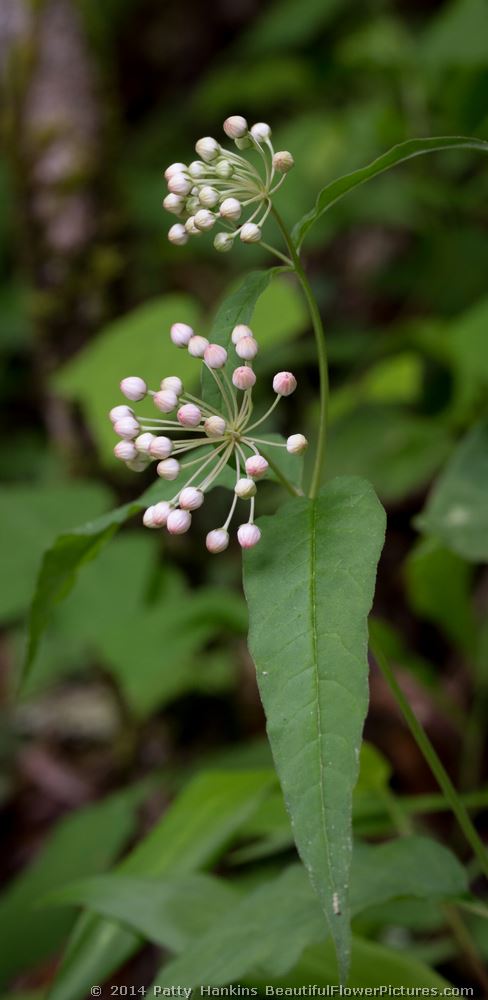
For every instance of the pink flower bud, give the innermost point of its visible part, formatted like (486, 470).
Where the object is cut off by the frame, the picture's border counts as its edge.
(243, 378)
(240, 331)
(248, 535)
(215, 356)
(144, 441)
(181, 334)
(250, 233)
(126, 451)
(296, 444)
(217, 540)
(133, 388)
(197, 346)
(245, 488)
(283, 161)
(174, 203)
(215, 426)
(166, 400)
(231, 209)
(148, 518)
(197, 169)
(117, 412)
(284, 383)
(204, 219)
(207, 148)
(235, 127)
(208, 196)
(178, 521)
(174, 168)
(189, 415)
(247, 348)
(161, 511)
(190, 498)
(173, 383)
(178, 235)
(168, 469)
(127, 428)
(256, 466)
(161, 447)
(179, 184)
(191, 227)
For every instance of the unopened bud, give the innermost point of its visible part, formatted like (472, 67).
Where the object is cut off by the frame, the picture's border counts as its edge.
(179, 184)
(208, 196)
(144, 441)
(174, 383)
(190, 498)
(207, 148)
(148, 518)
(174, 168)
(256, 466)
(197, 169)
(174, 203)
(181, 334)
(126, 451)
(284, 383)
(178, 235)
(192, 204)
(215, 426)
(166, 400)
(127, 427)
(250, 233)
(191, 228)
(215, 356)
(260, 131)
(243, 378)
(161, 511)
(223, 242)
(197, 346)
(161, 447)
(240, 331)
(231, 209)
(235, 127)
(243, 143)
(217, 540)
(245, 488)
(189, 415)
(204, 219)
(247, 348)
(296, 444)
(178, 521)
(133, 388)
(168, 469)
(117, 412)
(283, 161)
(138, 464)
(248, 535)
(224, 169)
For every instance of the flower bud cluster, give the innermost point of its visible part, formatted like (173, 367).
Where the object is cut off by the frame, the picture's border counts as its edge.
(222, 188)
(228, 433)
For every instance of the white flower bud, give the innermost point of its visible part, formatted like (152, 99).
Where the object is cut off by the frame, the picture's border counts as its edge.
(197, 169)
(181, 334)
(189, 415)
(231, 208)
(138, 464)
(224, 169)
(178, 521)
(247, 348)
(243, 143)
(223, 242)
(235, 127)
(215, 356)
(127, 427)
(148, 518)
(174, 203)
(215, 426)
(283, 161)
(217, 540)
(240, 331)
(296, 444)
(243, 378)
(126, 451)
(179, 184)
(197, 346)
(190, 498)
(207, 148)
(166, 400)
(174, 168)
(191, 228)
(284, 383)
(250, 233)
(204, 219)
(161, 447)
(248, 535)
(133, 388)
(144, 441)
(245, 488)
(208, 196)
(260, 131)
(178, 235)
(174, 383)
(256, 466)
(117, 412)
(161, 511)
(168, 469)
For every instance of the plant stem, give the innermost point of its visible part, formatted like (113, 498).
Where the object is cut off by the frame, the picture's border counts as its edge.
(294, 490)
(321, 353)
(432, 758)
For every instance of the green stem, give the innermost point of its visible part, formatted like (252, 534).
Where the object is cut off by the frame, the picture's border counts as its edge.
(321, 353)
(294, 490)
(433, 760)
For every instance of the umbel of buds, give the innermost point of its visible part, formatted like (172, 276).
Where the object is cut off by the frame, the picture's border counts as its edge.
(211, 438)
(224, 189)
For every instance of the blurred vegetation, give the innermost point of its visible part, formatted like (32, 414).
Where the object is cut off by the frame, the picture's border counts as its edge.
(143, 677)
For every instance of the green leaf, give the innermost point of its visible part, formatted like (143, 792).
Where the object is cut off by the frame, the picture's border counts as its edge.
(190, 836)
(82, 844)
(309, 586)
(398, 154)
(456, 512)
(439, 589)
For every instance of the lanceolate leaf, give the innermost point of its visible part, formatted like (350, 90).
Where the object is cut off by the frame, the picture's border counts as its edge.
(309, 586)
(398, 154)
